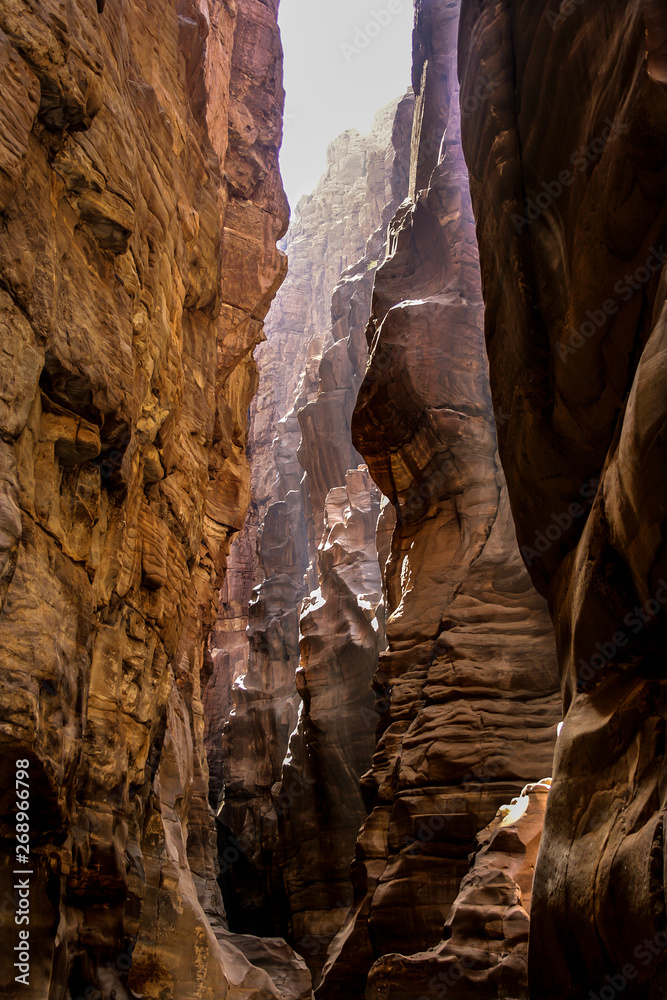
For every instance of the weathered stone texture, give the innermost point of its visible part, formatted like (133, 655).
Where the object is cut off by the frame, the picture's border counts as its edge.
(468, 685)
(328, 234)
(484, 952)
(341, 634)
(341, 507)
(140, 205)
(567, 166)
(329, 231)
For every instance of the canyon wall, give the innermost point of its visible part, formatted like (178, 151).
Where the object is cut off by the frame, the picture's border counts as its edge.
(567, 168)
(485, 939)
(468, 687)
(140, 205)
(320, 803)
(140, 211)
(289, 832)
(327, 234)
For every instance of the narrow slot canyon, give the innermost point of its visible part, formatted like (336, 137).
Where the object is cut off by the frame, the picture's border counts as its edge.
(333, 581)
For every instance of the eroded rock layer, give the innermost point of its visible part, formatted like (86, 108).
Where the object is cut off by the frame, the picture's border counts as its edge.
(468, 686)
(341, 635)
(140, 205)
(264, 712)
(341, 625)
(484, 952)
(567, 165)
(328, 233)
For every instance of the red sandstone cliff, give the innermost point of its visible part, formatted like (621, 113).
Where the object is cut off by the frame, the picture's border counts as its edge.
(328, 233)
(140, 205)
(289, 830)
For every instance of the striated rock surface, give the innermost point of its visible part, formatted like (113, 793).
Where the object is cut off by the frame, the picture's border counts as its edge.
(468, 686)
(328, 233)
(567, 164)
(140, 205)
(278, 882)
(342, 620)
(341, 635)
(264, 713)
(227, 654)
(484, 952)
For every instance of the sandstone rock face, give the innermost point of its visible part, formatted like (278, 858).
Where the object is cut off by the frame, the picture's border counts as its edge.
(568, 185)
(328, 233)
(226, 657)
(484, 952)
(289, 831)
(140, 205)
(341, 635)
(342, 621)
(468, 686)
(264, 713)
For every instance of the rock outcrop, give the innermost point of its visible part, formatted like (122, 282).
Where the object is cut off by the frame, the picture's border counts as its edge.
(468, 686)
(567, 167)
(264, 713)
(227, 653)
(341, 635)
(327, 235)
(140, 205)
(345, 604)
(484, 952)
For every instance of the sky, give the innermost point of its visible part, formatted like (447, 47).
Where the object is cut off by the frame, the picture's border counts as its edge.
(343, 62)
